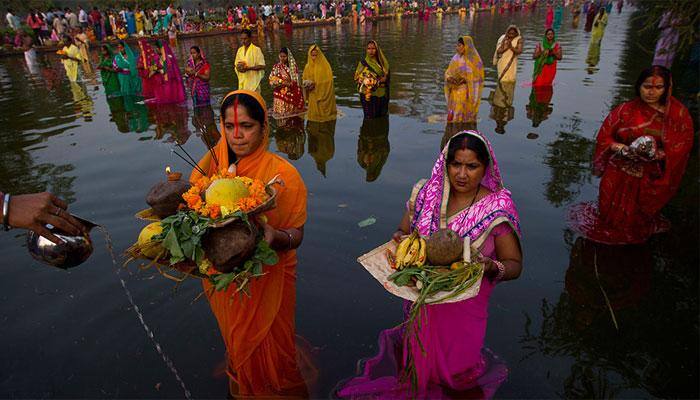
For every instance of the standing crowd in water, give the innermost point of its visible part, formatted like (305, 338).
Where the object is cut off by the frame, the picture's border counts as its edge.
(464, 191)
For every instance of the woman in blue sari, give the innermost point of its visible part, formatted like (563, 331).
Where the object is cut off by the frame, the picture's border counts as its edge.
(130, 22)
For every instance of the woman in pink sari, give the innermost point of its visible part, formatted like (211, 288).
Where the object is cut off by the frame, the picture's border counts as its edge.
(465, 193)
(162, 66)
(147, 57)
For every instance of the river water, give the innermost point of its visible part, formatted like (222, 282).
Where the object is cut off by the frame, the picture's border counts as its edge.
(74, 333)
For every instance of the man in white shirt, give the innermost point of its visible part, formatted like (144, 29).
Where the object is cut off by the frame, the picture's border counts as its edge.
(82, 17)
(12, 21)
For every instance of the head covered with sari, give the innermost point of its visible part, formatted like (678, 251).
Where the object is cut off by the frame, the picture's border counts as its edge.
(131, 58)
(502, 38)
(322, 106)
(545, 59)
(380, 63)
(217, 160)
(293, 66)
(428, 205)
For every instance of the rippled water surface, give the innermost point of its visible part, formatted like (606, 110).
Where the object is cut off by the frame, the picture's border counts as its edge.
(74, 333)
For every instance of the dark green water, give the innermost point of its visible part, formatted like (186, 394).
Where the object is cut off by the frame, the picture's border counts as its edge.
(73, 334)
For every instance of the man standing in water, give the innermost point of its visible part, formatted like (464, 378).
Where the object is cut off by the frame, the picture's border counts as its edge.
(34, 211)
(250, 63)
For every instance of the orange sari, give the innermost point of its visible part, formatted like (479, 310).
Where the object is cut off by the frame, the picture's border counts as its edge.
(258, 331)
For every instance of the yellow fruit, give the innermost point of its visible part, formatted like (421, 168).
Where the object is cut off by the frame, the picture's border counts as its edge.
(226, 193)
(147, 248)
(456, 265)
(401, 252)
(412, 254)
(421, 253)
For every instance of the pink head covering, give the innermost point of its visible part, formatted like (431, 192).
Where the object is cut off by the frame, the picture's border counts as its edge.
(428, 206)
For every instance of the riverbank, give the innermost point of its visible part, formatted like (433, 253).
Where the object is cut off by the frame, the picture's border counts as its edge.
(214, 32)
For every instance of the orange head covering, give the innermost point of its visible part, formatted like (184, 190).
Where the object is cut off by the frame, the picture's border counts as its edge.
(220, 161)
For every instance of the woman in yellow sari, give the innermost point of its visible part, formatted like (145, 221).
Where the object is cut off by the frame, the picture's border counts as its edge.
(318, 83)
(505, 58)
(71, 57)
(464, 81)
(258, 331)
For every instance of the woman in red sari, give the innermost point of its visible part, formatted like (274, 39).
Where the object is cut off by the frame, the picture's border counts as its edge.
(285, 80)
(636, 185)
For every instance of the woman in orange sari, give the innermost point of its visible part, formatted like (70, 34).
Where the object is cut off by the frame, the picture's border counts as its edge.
(258, 331)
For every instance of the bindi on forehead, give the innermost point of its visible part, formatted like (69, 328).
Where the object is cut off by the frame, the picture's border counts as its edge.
(657, 80)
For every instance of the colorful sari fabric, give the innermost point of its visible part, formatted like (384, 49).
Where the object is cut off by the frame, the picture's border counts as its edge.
(539, 107)
(377, 105)
(546, 65)
(590, 16)
(251, 56)
(599, 24)
(632, 191)
(454, 363)
(126, 64)
(70, 65)
(110, 80)
(507, 63)
(170, 88)
(321, 100)
(258, 331)
(288, 98)
(130, 23)
(199, 88)
(464, 98)
(148, 61)
(549, 19)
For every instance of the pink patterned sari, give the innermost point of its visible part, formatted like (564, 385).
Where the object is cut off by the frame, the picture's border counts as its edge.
(454, 363)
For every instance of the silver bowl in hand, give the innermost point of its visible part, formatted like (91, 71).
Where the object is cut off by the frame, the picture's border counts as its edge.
(72, 252)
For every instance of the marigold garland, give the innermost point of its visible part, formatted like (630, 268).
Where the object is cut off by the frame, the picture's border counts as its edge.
(195, 201)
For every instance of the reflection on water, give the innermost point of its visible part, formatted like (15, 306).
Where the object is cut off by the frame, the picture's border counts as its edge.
(290, 137)
(81, 319)
(454, 128)
(502, 110)
(539, 108)
(171, 122)
(612, 319)
(373, 146)
(321, 142)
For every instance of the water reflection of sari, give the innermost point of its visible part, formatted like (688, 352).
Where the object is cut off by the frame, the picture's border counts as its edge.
(464, 98)
(502, 110)
(128, 113)
(83, 102)
(321, 143)
(539, 108)
(171, 120)
(126, 63)
(633, 192)
(373, 146)
(454, 363)
(110, 80)
(507, 63)
(321, 98)
(291, 138)
(204, 121)
(288, 99)
(258, 331)
(377, 105)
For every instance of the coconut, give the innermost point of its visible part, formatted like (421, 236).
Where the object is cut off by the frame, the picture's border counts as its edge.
(165, 197)
(226, 193)
(230, 246)
(444, 247)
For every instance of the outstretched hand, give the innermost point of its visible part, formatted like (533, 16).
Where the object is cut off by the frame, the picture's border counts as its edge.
(35, 211)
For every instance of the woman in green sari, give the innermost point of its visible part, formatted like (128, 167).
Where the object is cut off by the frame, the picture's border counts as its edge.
(372, 77)
(110, 80)
(125, 63)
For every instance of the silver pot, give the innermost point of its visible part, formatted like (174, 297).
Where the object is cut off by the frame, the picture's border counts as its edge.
(73, 252)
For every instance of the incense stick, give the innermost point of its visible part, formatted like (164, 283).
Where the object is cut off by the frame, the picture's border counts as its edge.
(195, 166)
(187, 154)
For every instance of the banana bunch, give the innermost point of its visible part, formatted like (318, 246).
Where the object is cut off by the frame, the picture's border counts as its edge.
(411, 251)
